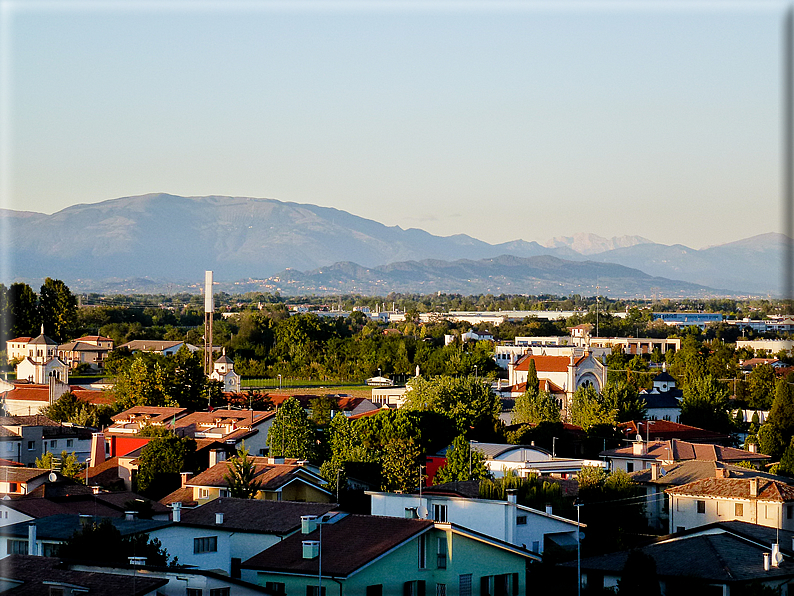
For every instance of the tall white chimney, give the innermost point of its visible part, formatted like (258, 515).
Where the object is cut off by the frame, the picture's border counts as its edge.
(32, 550)
(176, 512)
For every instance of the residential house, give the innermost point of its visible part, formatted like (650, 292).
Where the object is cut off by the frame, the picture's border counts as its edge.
(26, 399)
(724, 559)
(665, 430)
(507, 521)
(27, 575)
(17, 348)
(524, 460)
(640, 454)
(159, 346)
(657, 478)
(756, 500)
(392, 397)
(372, 555)
(229, 428)
(222, 533)
(132, 420)
(15, 480)
(281, 480)
(26, 438)
(559, 375)
(44, 536)
(90, 349)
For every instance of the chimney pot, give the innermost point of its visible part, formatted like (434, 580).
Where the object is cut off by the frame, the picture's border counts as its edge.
(720, 473)
(130, 515)
(766, 561)
(185, 478)
(308, 523)
(176, 512)
(775, 554)
(752, 448)
(753, 487)
(311, 548)
(549, 510)
(512, 496)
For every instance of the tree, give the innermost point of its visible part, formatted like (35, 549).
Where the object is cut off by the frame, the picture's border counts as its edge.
(705, 405)
(463, 463)
(624, 398)
(68, 408)
(67, 464)
(22, 311)
(762, 386)
(242, 476)
(535, 407)
(103, 543)
(160, 462)
(58, 309)
(639, 576)
(588, 408)
(469, 402)
(292, 433)
(771, 440)
(782, 412)
(187, 386)
(401, 465)
(143, 383)
(533, 383)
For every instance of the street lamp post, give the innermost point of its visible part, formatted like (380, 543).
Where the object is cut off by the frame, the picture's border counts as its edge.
(279, 382)
(475, 372)
(320, 521)
(578, 554)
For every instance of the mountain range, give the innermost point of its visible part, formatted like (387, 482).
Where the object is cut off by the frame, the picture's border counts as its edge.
(158, 239)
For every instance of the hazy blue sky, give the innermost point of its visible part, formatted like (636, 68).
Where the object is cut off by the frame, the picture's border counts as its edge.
(499, 121)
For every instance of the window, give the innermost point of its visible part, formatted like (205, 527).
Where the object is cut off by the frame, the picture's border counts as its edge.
(208, 544)
(235, 567)
(422, 551)
(440, 513)
(442, 553)
(536, 546)
(17, 547)
(738, 509)
(69, 442)
(204, 493)
(499, 585)
(375, 590)
(223, 493)
(53, 444)
(13, 487)
(192, 591)
(521, 520)
(441, 589)
(414, 588)
(464, 584)
(701, 505)
(679, 529)
(31, 445)
(314, 591)
(9, 447)
(411, 513)
(49, 549)
(220, 591)
(276, 587)
(629, 466)
(789, 511)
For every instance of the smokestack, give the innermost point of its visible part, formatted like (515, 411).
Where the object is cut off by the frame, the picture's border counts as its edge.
(97, 449)
(775, 555)
(512, 496)
(766, 561)
(753, 487)
(176, 512)
(655, 470)
(549, 510)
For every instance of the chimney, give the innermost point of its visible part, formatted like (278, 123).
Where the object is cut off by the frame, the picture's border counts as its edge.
(308, 524)
(96, 489)
(185, 478)
(137, 561)
(32, 539)
(176, 512)
(655, 470)
(639, 448)
(97, 449)
(275, 460)
(775, 555)
(512, 496)
(766, 561)
(720, 473)
(218, 518)
(753, 487)
(311, 548)
(130, 515)
(752, 448)
(549, 510)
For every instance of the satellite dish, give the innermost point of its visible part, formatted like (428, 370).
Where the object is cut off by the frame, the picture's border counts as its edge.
(662, 472)
(6, 498)
(778, 556)
(422, 512)
(53, 476)
(581, 536)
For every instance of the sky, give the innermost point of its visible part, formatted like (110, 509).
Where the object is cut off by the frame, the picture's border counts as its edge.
(503, 121)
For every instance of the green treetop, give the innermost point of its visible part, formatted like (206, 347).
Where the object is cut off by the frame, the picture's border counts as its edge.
(463, 463)
(292, 433)
(242, 476)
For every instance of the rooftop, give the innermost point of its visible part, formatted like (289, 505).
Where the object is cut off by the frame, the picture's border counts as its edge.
(254, 515)
(736, 488)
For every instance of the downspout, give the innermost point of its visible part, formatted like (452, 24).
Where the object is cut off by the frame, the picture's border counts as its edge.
(340, 585)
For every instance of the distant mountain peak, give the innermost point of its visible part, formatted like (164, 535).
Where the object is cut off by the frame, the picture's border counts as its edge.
(591, 244)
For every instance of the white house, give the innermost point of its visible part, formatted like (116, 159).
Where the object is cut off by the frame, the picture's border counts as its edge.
(507, 521)
(761, 501)
(524, 460)
(222, 533)
(42, 362)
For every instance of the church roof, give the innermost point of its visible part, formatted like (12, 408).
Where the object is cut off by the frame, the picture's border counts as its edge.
(43, 339)
(224, 360)
(663, 377)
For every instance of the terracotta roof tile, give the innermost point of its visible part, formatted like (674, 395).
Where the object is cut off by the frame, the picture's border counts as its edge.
(17, 474)
(544, 363)
(255, 515)
(272, 476)
(736, 488)
(348, 544)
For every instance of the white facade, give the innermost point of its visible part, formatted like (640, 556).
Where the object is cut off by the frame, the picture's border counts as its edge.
(687, 511)
(515, 524)
(223, 371)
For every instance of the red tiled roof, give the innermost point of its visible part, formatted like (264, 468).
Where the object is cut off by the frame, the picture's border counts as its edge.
(676, 450)
(41, 393)
(661, 430)
(255, 515)
(183, 494)
(17, 474)
(10, 462)
(547, 363)
(348, 545)
(367, 413)
(24, 339)
(272, 476)
(736, 488)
